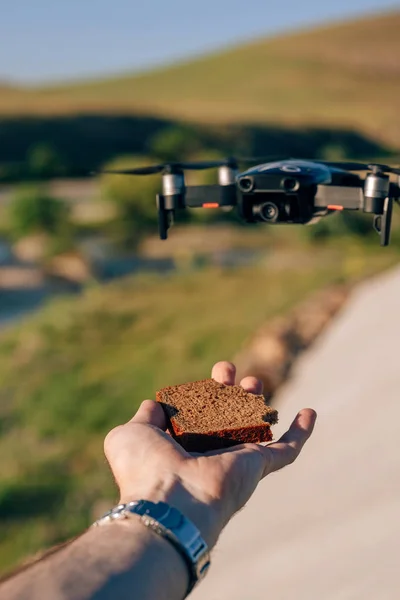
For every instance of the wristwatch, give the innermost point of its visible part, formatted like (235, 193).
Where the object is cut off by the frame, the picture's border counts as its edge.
(171, 524)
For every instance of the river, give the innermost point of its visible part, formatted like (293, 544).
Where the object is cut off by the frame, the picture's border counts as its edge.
(17, 302)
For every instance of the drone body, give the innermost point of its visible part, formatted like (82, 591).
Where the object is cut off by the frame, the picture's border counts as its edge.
(292, 191)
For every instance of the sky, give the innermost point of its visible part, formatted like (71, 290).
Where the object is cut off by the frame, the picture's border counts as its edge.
(56, 40)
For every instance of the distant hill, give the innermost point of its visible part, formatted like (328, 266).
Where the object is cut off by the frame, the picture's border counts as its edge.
(343, 75)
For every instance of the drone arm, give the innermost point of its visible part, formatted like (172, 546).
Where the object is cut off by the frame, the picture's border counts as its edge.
(210, 196)
(339, 197)
(346, 198)
(201, 196)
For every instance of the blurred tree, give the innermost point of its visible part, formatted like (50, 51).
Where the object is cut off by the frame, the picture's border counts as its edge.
(358, 223)
(341, 224)
(44, 162)
(135, 198)
(333, 151)
(174, 143)
(10, 172)
(32, 211)
(208, 176)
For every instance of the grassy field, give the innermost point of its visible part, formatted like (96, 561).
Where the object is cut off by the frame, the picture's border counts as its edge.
(343, 75)
(82, 366)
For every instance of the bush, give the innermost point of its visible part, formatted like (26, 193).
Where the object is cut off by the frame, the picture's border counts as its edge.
(342, 224)
(22, 499)
(32, 211)
(44, 162)
(135, 198)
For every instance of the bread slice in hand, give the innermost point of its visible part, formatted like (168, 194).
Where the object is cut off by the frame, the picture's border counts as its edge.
(207, 415)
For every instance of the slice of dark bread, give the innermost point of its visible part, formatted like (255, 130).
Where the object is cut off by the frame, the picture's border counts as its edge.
(207, 415)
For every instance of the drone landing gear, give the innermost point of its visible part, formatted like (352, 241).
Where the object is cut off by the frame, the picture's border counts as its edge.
(382, 223)
(165, 217)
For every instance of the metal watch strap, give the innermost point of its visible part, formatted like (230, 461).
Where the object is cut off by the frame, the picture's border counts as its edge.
(171, 524)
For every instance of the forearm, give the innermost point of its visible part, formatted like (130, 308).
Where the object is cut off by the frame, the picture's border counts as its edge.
(120, 561)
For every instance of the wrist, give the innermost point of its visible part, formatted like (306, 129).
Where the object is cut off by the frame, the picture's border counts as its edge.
(172, 491)
(170, 524)
(132, 551)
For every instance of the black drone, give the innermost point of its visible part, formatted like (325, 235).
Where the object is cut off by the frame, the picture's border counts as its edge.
(279, 191)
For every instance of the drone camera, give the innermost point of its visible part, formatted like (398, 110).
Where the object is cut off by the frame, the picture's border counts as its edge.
(268, 212)
(246, 184)
(290, 184)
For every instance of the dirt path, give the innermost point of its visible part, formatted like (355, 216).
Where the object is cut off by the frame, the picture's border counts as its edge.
(329, 527)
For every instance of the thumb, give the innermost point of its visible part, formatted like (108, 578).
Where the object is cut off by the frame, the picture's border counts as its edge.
(151, 413)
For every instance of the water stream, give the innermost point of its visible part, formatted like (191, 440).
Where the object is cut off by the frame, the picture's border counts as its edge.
(18, 302)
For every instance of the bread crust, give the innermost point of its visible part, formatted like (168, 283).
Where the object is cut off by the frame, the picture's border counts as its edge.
(195, 436)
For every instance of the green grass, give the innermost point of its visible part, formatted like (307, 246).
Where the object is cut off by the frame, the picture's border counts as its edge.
(341, 75)
(83, 365)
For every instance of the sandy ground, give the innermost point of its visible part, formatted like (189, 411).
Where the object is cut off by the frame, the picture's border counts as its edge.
(328, 527)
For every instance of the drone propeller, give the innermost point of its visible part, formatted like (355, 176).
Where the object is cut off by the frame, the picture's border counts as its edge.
(168, 168)
(150, 170)
(176, 167)
(356, 166)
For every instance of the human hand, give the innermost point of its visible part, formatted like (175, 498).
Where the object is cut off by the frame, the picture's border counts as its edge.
(208, 488)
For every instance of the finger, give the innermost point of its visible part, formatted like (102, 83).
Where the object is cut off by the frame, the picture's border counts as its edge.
(252, 385)
(224, 372)
(287, 449)
(151, 413)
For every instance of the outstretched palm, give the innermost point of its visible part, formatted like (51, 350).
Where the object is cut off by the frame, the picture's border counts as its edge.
(209, 488)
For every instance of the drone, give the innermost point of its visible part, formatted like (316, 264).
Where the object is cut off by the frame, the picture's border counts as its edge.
(279, 191)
